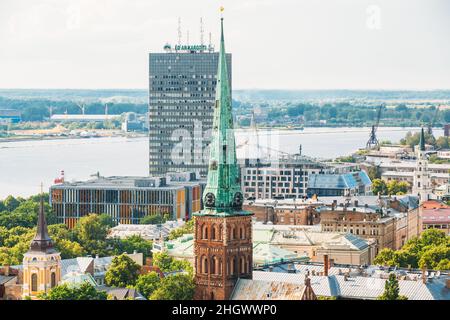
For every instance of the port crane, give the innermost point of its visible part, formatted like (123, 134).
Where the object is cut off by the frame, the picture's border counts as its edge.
(373, 141)
(433, 121)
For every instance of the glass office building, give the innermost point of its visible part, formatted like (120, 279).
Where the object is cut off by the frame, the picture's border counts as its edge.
(181, 103)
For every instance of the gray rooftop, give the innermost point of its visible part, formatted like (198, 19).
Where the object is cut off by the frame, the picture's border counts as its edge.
(127, 183)
(367, 285)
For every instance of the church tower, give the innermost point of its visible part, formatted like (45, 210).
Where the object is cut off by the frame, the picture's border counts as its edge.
(41, 263)
(223, 231)
(422, 180)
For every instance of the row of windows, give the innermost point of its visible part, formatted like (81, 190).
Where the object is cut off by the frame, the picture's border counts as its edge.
(184, 102)
(177, 83)
(215, 266)
(181, 76)
(279, 172)
(372, 232)
(34, 281)
(182, 89)
(214, 232)
(181, 95)
(113, 196)
(436, 226)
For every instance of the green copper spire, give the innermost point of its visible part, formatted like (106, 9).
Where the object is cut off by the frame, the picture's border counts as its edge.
(223, 193)
(422, 141)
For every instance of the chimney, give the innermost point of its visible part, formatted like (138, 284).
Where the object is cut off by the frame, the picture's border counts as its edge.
(325, 265)
(330, 263)
(291, 268)
(6, 270)
(356, 203)
(424, 276)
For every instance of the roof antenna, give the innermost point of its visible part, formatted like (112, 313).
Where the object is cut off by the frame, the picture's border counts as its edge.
(179, 31)
(210, 47)
(202, 31)
(187, 37)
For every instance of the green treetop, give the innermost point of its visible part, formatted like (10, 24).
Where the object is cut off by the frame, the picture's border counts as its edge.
(392, 290)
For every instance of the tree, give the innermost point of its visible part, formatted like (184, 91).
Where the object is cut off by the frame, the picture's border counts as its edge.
(175, 287)
(434, 257)
(11, 203)
(443, 142)
(413, 139)
(92, 227)
(430, 250)
(392, 290)
(379, 187)
(374, 172)
(123, 272)
(386, 257)
(163, 261)
(350, 159)
(153, 219)
(187, 228)
(146, 284)
(446, 116)
(85, 291)
(135, 243)
(395, 187)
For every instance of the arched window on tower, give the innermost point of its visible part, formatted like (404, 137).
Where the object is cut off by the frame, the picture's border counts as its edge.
(242, 233)
(233, 266)
(204, 232)
(213, 232)
(34, 282)
(204, 264)
(213, 265)
(220, 232)
(242, 265)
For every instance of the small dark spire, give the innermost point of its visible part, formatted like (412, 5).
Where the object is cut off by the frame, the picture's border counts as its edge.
(422, 140)
(42, 241)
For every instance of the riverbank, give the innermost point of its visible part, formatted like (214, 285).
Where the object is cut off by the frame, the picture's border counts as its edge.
(91, 134)
(23, 138)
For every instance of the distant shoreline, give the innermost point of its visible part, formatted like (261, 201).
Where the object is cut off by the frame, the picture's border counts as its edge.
(47, 138)
(134, 135)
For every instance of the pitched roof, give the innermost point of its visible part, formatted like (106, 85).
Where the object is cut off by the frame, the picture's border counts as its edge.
(42, 241)
(123, 293)
(353, 285)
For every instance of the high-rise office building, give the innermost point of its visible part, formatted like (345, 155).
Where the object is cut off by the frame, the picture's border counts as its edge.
(182, 83)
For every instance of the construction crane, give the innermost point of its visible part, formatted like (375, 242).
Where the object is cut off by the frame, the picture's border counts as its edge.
(82, 107)
(432, 122)
(373, 141)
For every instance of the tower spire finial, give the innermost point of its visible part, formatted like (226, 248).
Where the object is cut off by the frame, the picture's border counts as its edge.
(422, 140)
(42, 241)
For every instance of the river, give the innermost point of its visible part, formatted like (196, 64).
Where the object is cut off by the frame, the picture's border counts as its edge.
(25, 164)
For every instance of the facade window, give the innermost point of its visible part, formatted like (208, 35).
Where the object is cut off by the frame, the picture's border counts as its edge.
(34, 282)
(53, 280)
(204, 232)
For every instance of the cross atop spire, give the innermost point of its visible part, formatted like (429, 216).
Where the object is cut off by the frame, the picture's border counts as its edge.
(42, 241)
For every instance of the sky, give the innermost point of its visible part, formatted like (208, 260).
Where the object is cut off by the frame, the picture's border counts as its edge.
(276, 44)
